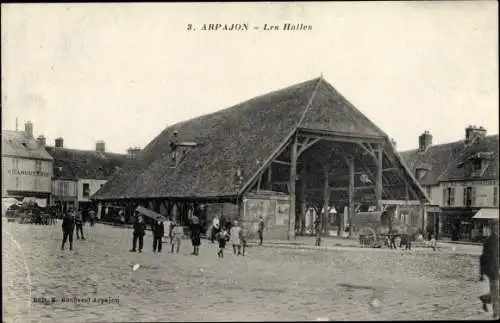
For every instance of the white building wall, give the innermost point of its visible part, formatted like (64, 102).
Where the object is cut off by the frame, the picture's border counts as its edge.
(94, 186)
(21, 174)
(484, 193)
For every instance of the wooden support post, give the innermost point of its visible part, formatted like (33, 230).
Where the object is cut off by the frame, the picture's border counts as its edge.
(175, 212)
(379, 184)
(424, 216)
(292, 179)
(269, 177)
(303, 194)
(259, 182)
(326, 198)
(351, 169)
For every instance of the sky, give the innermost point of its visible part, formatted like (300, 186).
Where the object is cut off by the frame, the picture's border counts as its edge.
(121, 73)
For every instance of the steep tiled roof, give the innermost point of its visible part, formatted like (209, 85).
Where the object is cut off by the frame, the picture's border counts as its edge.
(238, 137)
(86, 164)
(461, 169)
(446, 161)
(19, 144)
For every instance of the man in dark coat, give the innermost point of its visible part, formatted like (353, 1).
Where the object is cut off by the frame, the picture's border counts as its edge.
(260, 230)
(68, 227)
(158, 233)
(139, 232)
(195, 229)
(489, 267)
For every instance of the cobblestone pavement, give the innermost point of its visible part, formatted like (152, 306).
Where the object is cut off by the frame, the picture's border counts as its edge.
(267, 284)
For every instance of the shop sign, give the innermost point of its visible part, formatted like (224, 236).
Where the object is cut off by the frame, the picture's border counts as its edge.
(27, 172)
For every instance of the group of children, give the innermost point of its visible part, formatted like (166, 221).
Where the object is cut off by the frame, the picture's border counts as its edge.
(234, 236)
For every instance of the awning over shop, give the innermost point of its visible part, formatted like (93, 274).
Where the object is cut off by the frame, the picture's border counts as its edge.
(486, 214)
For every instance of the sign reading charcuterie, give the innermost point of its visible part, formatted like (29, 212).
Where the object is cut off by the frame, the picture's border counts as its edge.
(28, 172)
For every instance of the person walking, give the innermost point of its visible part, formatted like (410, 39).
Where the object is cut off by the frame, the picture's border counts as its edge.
(168, 225)
(158, 233)
(195, 229)
(215, 228)
(260, 230)
(79, 225)
(92, 217)
(235, 238)
(243, 239)
(489, 267)
(68, 226)
(139, 232)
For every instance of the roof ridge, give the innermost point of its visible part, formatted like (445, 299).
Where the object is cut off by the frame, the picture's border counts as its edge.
(84, 150)
(309, 104)
(287, 139)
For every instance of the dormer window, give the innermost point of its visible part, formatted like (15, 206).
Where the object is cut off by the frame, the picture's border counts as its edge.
(179, 149)
(479, 162)
(421, 171)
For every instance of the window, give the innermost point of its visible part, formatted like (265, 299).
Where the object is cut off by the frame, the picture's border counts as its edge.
(469, 196)
(60, 188)
(38, 165)
(448, 196)
(15, 163)
(18, 182)
(495, 196)
(86, 190)
(65, 188)
(102, 185)
(477, 163)
(428, 191)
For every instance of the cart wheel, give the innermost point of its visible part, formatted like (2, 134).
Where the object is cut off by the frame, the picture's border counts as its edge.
(367, 237)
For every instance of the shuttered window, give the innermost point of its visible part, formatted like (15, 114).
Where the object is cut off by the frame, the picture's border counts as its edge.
(451, 193)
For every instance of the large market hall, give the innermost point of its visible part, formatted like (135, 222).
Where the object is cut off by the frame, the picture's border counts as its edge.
(275, 156)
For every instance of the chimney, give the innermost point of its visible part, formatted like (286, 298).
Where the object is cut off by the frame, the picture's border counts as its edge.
(28, 128)
(41, 141)
(59, 142)
(100, 146)
(424, 141)
(133, 151)
(473, 132)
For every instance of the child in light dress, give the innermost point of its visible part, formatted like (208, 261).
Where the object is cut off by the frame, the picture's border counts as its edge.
(235, 238)
(177, 233)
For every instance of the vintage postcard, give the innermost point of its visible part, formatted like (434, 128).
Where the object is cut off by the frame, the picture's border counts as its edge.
(286, 161)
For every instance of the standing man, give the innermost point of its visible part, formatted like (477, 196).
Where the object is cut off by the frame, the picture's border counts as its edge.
(215, 228)
(68, 226)
(317, 230)
(489, 267)
(139, 232)
(260, 231)
(195, 234)
(158, 232)
(92, 217)
(79, 225)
